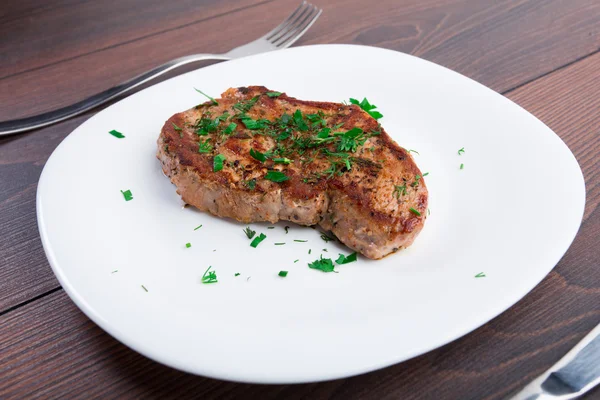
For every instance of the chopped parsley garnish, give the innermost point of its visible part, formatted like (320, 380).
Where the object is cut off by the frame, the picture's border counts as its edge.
(301, 241)
(218, 162)
(117, 134)
(127, 195)
(282, 160)
(305, 135)
(399, 190)
(178, 129)
(251, 184)
(339, 163)
(317, 119)
(258, 239)
(254, 124)
(249, 232)
(279, 244)
(209, 276)
(368, 107)
(116, 270)
(309, 251)
(204, 146)
(198, 227)
(351, 140)
(480, 275)
(295, 261)
(299, 121)
(412, 210)
(144, 287)
(230, 128)
(462, 166)
(257, 155)
(237, 274)
(207, 96)
(276, 176)
(413, 151)
(205, 125)
(426, 173)
(285, 119)
(342, 259)
(188, 245)
(322, 264)
(461, 150)
(324, 133)
(287, 228)
(283, 135)
(416, 182)
(270, 227)
(245, 106)
(222, 117)
(283, 274)
(326, 238)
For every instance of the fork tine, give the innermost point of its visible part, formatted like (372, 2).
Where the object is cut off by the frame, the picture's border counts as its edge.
(290, 22)
(285, 22)
(299, 21)
(297, 33)
(284, 34)
(291, 27)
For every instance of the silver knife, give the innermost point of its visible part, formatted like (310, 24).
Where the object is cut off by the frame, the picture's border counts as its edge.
(574, 375)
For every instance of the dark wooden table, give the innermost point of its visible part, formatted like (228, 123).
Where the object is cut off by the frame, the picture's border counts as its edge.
(544, 55)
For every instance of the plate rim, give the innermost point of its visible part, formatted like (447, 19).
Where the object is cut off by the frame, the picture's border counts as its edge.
(92, 314)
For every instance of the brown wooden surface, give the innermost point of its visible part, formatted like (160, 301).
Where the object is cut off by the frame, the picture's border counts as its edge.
(499, 43)
(542, 54)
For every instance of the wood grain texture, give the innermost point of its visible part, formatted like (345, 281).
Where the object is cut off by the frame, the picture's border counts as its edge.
(42, 34)
(24, 269)
(11, 10)
(49, 349)
(565, 101)
(499, 43)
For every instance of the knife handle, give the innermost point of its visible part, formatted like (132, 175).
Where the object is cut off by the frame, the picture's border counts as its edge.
(51, 117)
(574, 375)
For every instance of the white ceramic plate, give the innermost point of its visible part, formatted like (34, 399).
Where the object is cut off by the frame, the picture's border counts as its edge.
(511, 214)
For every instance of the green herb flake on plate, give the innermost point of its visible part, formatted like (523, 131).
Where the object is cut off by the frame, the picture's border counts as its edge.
(342, 259)
(249, 232)
(209, 276)
(127, 195)
(258, 239)
(323, 264)
(116, 134)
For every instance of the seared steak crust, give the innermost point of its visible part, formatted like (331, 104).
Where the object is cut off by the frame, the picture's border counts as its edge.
(377, 206)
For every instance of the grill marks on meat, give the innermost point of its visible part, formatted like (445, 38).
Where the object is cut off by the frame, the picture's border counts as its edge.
(367, 207)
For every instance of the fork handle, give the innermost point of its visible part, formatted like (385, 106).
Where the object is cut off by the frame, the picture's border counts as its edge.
(37, 121)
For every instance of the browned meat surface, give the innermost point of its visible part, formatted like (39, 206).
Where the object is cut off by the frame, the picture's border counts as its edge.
(314, 163)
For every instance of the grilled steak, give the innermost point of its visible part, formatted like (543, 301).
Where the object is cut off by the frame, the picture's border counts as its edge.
(256, 155)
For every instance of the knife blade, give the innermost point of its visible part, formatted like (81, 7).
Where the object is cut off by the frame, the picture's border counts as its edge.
(575, 374)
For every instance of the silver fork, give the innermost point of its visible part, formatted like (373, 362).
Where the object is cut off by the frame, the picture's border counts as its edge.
(283, 36)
